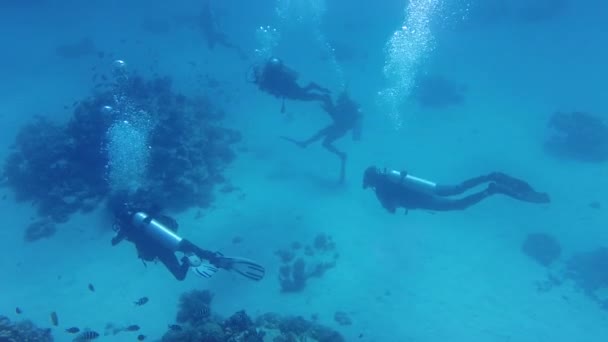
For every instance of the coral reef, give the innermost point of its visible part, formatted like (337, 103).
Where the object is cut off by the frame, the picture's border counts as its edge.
(579, 136)
(194, 307)
(39, 230)
(22, 331)
(317, 259)
(49, 166)
(434, 91)
(589, 271)
(541, 247)
(63, 168)
(240, 327)
(342, 318)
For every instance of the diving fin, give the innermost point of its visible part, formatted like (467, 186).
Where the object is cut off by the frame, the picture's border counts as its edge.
(205, 270)
(244, 267)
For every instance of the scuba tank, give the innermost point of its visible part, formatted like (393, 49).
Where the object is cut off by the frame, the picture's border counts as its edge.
(157, 230)
(409, 181)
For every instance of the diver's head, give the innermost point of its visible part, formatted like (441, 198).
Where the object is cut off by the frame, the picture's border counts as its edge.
(274, 64)
(371, 176)
(255, 74)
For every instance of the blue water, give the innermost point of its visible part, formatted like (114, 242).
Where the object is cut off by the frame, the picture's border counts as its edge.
(424, 276)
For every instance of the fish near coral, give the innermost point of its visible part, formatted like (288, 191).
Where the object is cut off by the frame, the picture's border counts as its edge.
(72, 330)
(133, 327)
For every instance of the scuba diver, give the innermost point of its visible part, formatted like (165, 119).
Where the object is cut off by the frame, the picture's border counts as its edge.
(276, 79)
(208, 23)
(399, 189)
(156, 238)
(346, 116)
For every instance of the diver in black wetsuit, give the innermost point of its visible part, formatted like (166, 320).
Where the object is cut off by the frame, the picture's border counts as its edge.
(275, 78)
(346, 116)
(208, 23)
(396, 189)
(156, 238)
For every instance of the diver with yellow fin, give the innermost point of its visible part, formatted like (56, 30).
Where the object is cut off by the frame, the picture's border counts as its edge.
(156, 238)
(395, 189)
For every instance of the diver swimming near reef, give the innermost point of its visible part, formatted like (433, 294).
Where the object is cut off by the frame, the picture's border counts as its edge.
(346, 116)
(276, 79)
(396, 189)
(156, 238)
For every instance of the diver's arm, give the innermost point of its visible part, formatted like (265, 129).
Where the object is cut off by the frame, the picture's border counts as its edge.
(118, 238)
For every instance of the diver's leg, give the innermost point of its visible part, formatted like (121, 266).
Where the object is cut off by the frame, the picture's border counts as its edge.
(520, 190)
(188, 247)
(170, 261)
(446, 204)
(314, 86)
(303, 144)
(333, 133)
(450, 190)
(304, 95)
(317, 136)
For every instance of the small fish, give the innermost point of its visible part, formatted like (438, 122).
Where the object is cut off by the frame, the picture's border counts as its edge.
(72, 330)
(54, 318)
(141, 301)
(175, 327)
(133, 327)
(18, 310)
(91, 287)
(141, 337)
(86, 336)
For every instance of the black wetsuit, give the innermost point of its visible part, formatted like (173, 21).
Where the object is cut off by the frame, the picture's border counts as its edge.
(149, 249)
(393, 196)
(278, 80)
(345, 116)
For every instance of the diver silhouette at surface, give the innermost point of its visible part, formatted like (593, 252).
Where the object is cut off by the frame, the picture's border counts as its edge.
(346, 116)
(395, 189)
(276, 79)
(210, 27)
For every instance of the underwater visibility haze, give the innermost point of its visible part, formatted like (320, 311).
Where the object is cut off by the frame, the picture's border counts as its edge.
(304, 170)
